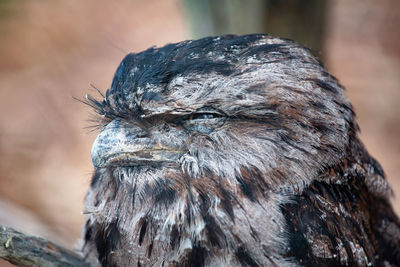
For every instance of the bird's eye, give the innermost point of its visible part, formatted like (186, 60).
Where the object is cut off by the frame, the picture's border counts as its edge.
(204, 116)
(204, 121)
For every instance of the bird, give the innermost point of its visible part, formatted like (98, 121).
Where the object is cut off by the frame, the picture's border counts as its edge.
(233, 151)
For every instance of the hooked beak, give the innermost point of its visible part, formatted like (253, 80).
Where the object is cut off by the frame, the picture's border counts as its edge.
(123, 144)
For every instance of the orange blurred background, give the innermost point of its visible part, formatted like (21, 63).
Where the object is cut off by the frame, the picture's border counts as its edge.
(51, 50)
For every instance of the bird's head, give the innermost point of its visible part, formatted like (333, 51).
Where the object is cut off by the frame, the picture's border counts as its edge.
(225, 107)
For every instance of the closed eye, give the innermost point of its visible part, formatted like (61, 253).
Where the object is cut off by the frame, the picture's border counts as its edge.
(204, 116)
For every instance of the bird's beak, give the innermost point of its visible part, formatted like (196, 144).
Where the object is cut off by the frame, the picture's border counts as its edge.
(122, 144)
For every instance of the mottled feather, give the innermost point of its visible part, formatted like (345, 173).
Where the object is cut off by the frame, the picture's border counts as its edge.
(233, 150)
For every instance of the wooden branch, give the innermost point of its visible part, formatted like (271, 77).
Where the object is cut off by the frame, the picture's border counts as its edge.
(25, 250)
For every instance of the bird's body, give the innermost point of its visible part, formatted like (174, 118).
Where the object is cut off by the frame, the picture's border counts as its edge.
(234, 150)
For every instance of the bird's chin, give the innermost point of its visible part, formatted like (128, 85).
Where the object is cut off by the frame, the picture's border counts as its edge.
(151, 158)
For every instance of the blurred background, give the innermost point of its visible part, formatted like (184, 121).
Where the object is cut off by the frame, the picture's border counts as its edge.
(51, 50)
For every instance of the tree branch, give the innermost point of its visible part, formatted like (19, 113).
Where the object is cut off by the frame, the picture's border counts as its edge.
(25, 250)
